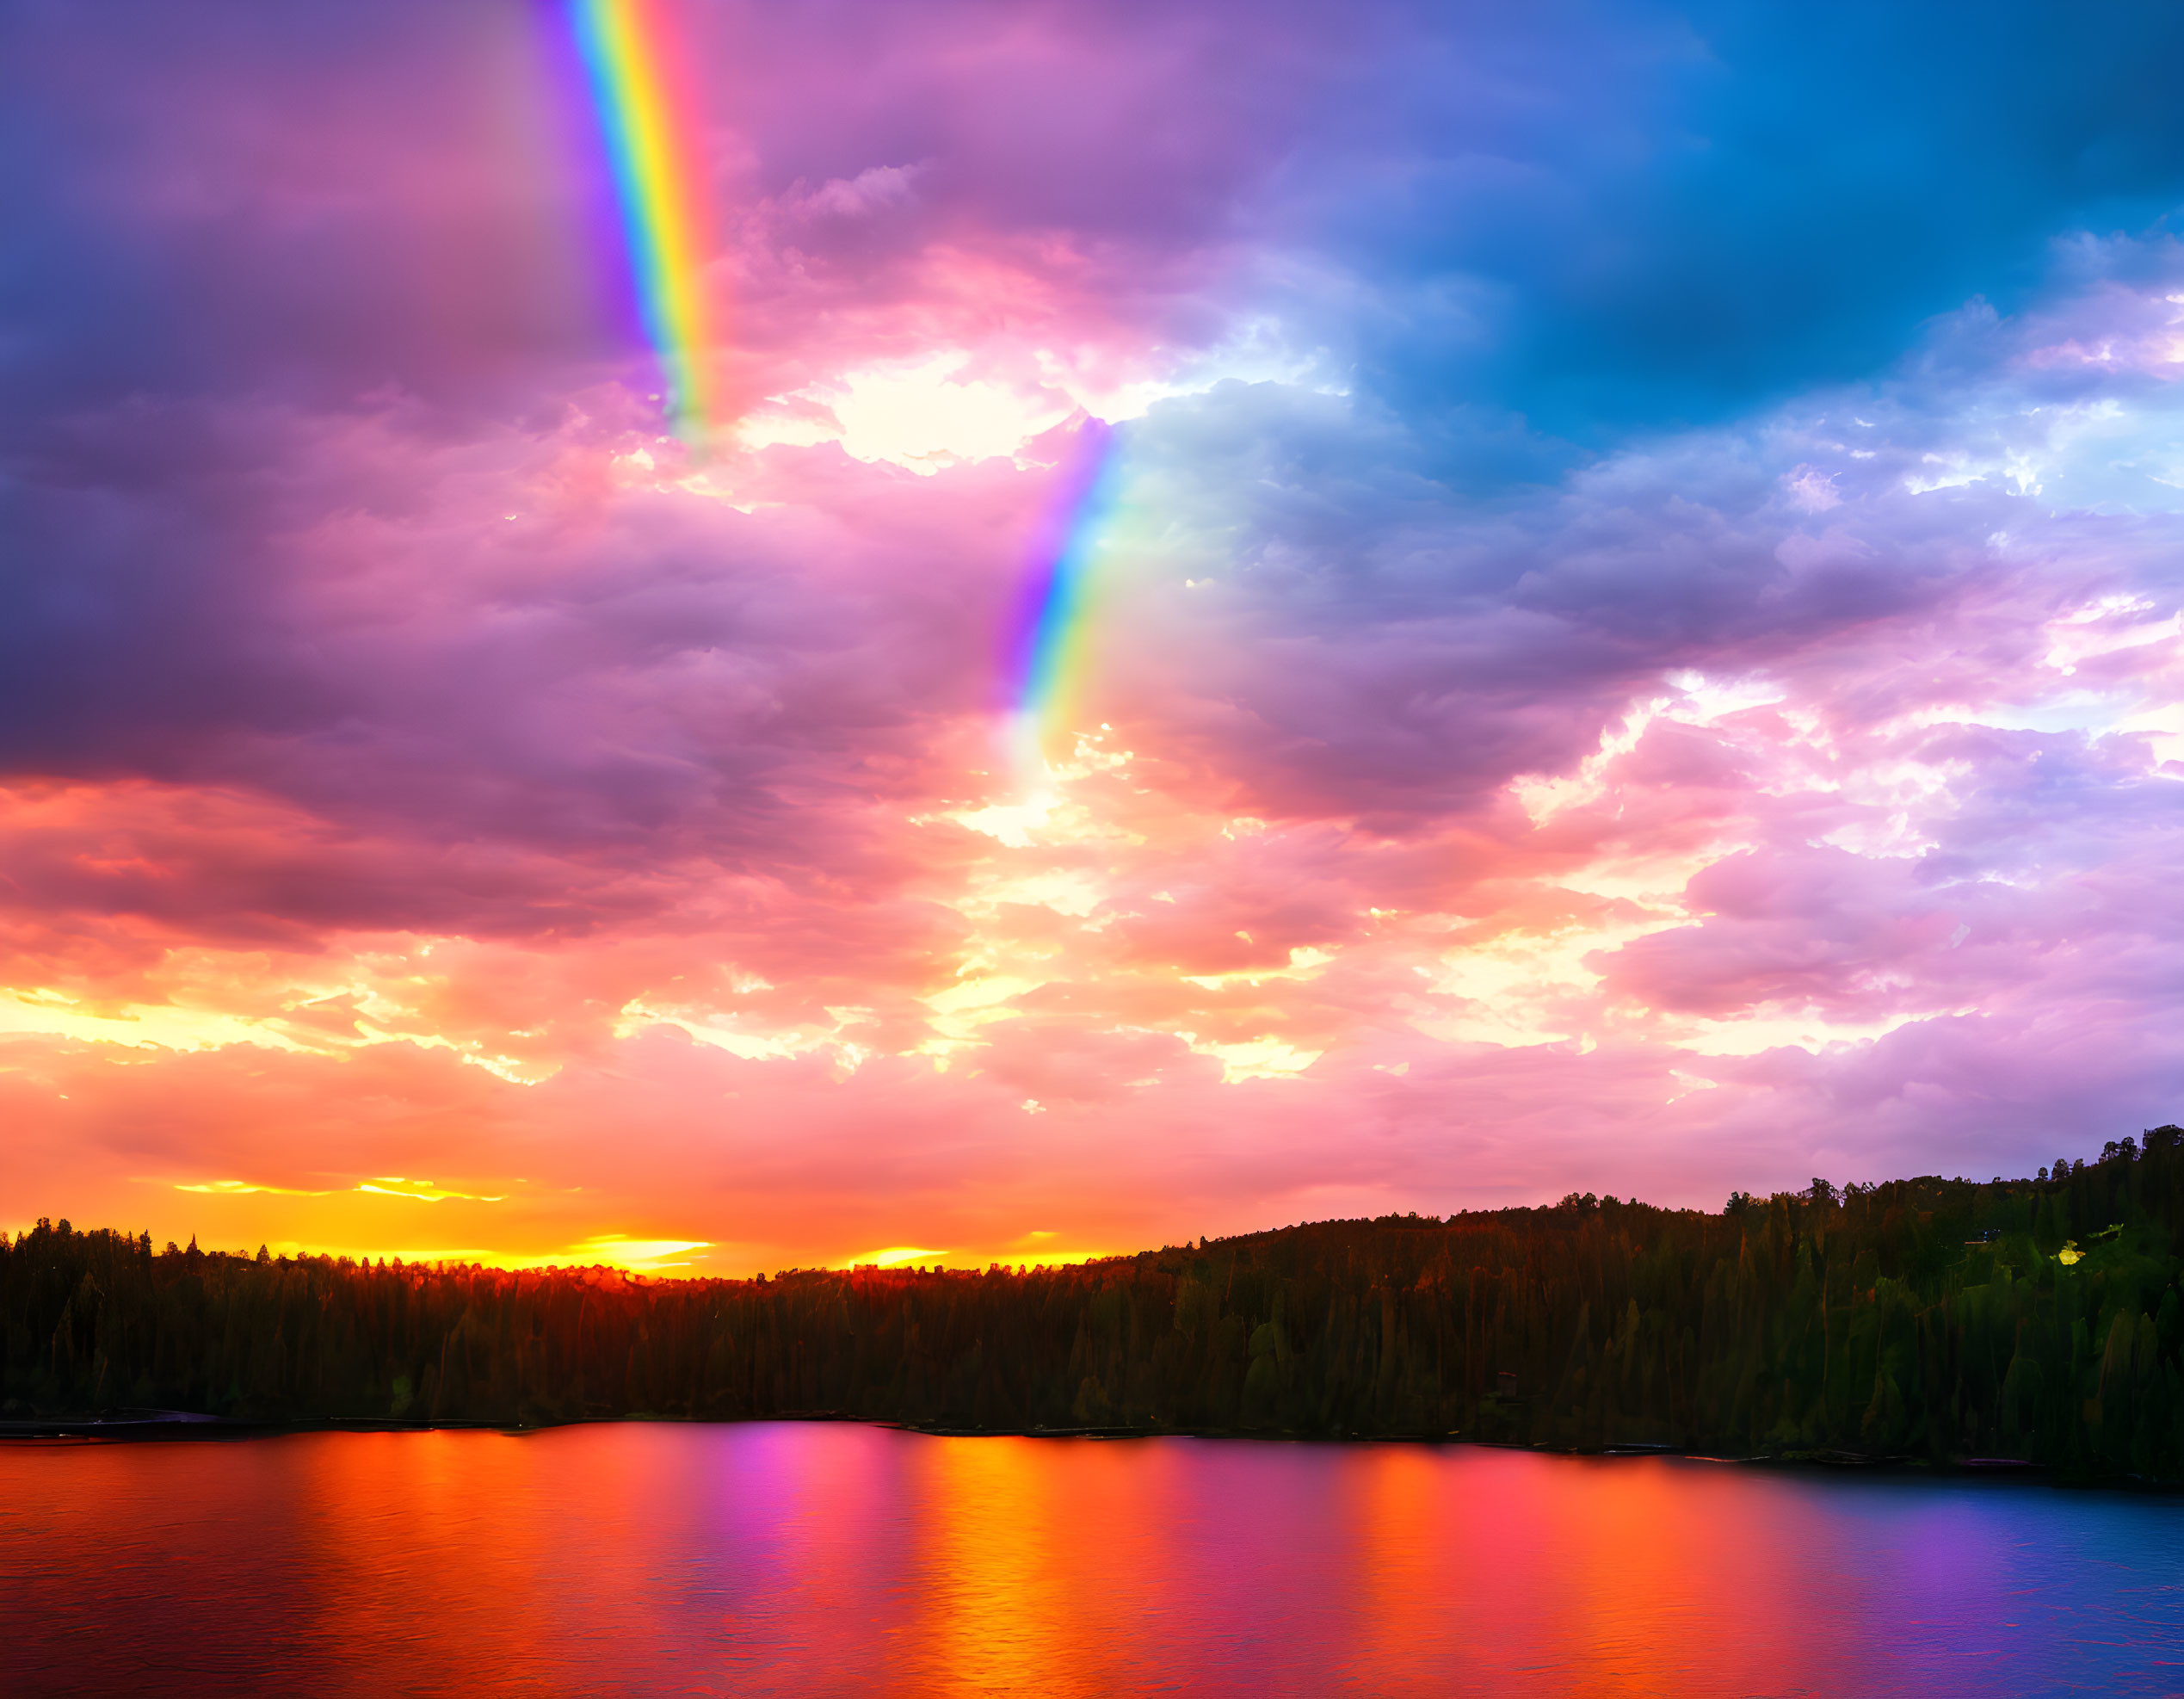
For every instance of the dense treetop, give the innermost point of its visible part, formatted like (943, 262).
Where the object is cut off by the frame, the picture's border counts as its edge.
(1937, 1318)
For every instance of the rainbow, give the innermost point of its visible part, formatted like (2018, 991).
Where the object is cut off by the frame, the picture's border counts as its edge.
(1048, 640)
(630, 63)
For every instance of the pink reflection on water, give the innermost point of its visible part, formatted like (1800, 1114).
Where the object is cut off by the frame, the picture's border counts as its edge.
(780, 1559)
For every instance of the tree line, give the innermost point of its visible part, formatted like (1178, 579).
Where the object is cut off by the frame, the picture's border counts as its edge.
(2037, 1319)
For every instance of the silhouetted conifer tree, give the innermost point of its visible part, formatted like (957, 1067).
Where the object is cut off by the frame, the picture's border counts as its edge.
(2041, 1319)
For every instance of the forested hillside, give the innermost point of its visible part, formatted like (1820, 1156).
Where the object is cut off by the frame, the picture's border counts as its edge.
(1941, 1318)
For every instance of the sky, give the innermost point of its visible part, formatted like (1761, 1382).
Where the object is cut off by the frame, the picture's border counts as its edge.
(1629, 637)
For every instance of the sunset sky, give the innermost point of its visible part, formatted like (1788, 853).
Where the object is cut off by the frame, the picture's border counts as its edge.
(1631, 633)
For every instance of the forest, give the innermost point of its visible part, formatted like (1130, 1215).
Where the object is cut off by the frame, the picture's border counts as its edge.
(1932, 1320)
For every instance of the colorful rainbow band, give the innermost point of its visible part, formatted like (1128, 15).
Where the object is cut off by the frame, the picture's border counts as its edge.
(629, 61)
(1049, 639)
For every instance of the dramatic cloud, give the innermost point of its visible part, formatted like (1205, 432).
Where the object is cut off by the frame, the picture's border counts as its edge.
(1638, 644)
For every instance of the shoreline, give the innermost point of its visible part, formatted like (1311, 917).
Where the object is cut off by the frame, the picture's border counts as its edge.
(167, 1427)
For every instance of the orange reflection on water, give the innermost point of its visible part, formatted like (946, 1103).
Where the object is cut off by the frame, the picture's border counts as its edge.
(1038, 1562)
(1655, 1583)
(998, 1606)
(1583, 1577)
(455, 1559)
(1407, 1577)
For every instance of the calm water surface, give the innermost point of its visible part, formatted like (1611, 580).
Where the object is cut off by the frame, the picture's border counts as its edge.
(795, 1559)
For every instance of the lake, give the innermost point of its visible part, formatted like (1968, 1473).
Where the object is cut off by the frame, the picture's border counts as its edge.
(784, 1558)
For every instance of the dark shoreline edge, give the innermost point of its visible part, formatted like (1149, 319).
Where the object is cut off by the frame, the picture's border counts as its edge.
(1917, 1323)
(166, 1427)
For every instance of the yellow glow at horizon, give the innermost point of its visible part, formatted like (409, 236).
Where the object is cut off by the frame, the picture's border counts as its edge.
(640, 1256)
(633, 1256)
(1010, 1256)
(892, 1255)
